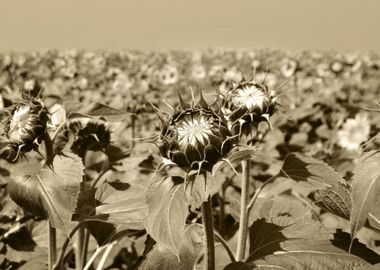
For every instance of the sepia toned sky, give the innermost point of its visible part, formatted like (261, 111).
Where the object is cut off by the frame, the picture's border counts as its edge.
(189, 24)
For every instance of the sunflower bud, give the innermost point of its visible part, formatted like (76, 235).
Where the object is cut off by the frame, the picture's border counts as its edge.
(195, 137)
(86, 134)
(247, 104)
(24, 128)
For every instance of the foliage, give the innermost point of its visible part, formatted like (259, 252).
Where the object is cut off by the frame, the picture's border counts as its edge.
(96, 170)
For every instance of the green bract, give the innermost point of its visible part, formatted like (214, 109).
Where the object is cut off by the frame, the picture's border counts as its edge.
(24, 128)
(247, 104)
(195, 137)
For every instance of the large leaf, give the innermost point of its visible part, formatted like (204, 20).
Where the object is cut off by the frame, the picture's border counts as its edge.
(266, 237)
(271, 208)
(318, 173)
(121, 204)
(305, 254)
(335, 199)
(60, 188)
(311, 255)
(365, 190)
(189, 250)
(57, 188)
(167, 212)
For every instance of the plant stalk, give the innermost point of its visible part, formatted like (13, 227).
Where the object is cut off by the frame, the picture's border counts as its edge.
(79, 241)
(58, 265)
(208, 229)
(52, 238)
(133, 129)
(243, 222)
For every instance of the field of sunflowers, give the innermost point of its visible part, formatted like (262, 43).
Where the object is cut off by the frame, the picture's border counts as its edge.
(217, 159)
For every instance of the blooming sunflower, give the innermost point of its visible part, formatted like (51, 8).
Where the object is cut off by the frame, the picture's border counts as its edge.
(354, 132)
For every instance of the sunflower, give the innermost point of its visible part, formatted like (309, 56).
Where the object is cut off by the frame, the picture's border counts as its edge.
(354, 132)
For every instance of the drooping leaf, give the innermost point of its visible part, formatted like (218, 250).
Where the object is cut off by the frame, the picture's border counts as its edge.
(60, 189)
(167, 212)
(365, 190)
(52, 190)
(198, 189)
(189, 250)
(301, 168)
(335, 199)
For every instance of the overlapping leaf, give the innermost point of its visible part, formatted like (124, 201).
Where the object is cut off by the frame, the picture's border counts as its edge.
(189, 250)
(335, 199)
(121, 204)
(365, 190)
(318, 173)
(167, 212)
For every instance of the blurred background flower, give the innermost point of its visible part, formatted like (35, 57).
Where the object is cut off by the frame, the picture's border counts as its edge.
(354, 132)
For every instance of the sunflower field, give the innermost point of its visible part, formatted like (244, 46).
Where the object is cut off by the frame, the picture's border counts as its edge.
(216, 159)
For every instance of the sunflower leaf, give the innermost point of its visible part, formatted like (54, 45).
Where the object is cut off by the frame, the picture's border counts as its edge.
(60, 189)
(365, 190)
(315, 172)
(167, 212)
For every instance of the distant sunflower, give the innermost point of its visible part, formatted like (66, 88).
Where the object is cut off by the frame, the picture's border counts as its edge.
(169, 75)
(354, 132)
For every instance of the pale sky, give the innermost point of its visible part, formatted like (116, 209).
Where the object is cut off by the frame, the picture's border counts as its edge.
(189, 24)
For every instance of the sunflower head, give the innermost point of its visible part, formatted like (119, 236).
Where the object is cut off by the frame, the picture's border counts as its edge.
(246, 105)
(82, 134)
(195, 136)
(24, 128)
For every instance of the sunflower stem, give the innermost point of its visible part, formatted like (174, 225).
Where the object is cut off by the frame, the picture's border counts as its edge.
(243, 221)
(208, 229)
(79, 248)
(49, 150)
(85, 247)
(58, 265)
(52, 252)
(133, 129)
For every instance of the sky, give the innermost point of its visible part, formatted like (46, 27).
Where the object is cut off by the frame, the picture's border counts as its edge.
(338, 25)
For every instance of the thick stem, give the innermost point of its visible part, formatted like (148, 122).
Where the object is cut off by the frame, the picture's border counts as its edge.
(133, 129)
(52, 253)
(49, 149)
(79, 241)
(208, 229)
(243, 222)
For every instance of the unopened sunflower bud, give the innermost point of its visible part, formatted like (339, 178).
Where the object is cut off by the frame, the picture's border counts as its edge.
(83, 134)
(24, 128)
(248, 104)
(195, 137)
